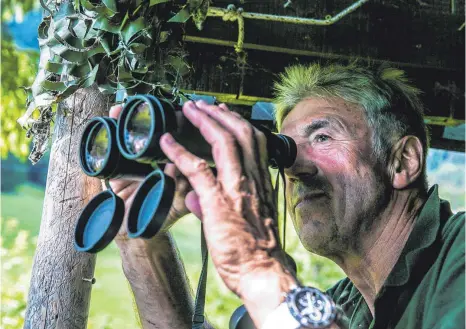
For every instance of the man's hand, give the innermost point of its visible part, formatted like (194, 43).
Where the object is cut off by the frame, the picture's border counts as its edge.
(152, 266)
(237, 206)
(184, 201)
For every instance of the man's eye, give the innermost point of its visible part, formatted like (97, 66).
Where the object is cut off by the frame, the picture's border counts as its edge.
(321, 138)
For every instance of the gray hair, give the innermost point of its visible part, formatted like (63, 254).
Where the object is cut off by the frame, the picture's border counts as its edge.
(391, 104)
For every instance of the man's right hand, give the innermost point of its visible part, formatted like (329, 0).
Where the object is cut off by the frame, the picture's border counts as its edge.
(184, 201)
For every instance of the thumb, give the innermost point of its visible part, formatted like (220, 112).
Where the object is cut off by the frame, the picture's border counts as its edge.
(192, 203)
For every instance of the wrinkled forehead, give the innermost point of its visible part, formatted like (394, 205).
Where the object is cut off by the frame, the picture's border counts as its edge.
(311, 109)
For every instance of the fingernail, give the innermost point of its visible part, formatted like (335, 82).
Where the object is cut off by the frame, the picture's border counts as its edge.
(168, 139)
(200, 102)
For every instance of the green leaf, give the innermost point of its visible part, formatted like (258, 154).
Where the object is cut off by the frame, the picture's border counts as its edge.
(80, 71)
(181, 17)
(100, 9)
(107, 47)
(53, 67)
(76, 44)
(138, 48)
(163, 36)
(156, 2)
(180, 67)
(53, 85)
(132, 29)
(123, 21)
(104, 24)
(43, 29)
(110, 4)
(82, 28)
(74, 56)
(65, 10)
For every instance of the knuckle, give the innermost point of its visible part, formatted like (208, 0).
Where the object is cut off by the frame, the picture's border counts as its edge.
(200, 165)
(245, 130)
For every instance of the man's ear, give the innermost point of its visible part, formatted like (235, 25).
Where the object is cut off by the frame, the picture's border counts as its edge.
(406, 163)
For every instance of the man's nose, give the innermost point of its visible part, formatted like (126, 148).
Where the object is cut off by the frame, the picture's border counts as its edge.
(301, 168)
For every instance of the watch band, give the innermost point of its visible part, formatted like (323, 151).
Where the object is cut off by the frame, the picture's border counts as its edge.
(305, 307)
(281, 318)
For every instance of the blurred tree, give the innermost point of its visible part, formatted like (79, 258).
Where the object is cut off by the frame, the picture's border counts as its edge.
(14, 8)
(18, 69)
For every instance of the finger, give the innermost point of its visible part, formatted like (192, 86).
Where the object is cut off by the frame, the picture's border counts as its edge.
(124, 188)
(192, 203)
(270, 210)
(225, 150)
(115, 111)
(170, 170)
(254, 149)
(195, 169)
(224, 107)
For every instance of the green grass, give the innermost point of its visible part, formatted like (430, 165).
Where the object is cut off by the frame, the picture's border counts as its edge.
(111, 301)
(25, 205)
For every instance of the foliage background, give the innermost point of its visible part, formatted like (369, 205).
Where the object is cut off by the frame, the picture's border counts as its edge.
(18, 68)
(111, 303)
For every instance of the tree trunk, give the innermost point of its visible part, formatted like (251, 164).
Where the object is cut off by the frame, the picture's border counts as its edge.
(58, 295)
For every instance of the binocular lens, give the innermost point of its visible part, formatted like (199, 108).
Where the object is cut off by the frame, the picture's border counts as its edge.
(138, 127)
(97, 148)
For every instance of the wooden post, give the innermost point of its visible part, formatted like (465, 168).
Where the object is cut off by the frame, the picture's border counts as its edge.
(59, 298)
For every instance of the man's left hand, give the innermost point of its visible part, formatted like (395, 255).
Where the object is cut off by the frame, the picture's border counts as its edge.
(238, 208)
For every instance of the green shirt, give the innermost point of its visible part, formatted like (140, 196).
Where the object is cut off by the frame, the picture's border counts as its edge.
(426, 288)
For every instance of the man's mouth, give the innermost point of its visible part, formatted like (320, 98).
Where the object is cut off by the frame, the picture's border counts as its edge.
(308, 197)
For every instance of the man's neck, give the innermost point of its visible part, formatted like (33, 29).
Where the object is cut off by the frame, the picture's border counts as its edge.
(370, 266)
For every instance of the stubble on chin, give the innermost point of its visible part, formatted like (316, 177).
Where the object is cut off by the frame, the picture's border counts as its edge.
(318, 234)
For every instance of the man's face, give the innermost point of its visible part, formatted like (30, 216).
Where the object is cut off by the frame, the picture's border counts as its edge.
(335, 188)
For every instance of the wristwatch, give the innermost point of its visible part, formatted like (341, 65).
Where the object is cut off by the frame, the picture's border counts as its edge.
(304, 307)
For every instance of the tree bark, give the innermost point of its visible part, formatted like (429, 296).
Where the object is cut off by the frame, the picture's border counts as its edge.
(58, 295)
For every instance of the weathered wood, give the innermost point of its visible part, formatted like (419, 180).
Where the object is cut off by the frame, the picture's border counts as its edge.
(424, 40)
(58, 296)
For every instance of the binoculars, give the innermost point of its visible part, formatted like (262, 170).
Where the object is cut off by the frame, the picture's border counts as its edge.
(128, 148)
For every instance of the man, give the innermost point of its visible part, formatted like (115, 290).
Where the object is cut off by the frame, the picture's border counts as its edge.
(357, 194)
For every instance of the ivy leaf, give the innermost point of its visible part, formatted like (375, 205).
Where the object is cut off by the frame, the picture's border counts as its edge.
(104, 24)
(156, 2)
(82, 28)
(133, 28)
(110, 4)
(138, 48)
(179, 66)
(163, 36)
(53, 67)
(181, 17)
(66, 9)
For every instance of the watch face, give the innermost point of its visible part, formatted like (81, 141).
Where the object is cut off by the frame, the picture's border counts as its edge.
(311, 307)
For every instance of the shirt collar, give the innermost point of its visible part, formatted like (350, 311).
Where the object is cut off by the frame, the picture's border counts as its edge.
(423, 235)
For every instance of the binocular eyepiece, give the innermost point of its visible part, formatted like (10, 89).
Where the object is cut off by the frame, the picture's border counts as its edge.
(129, 148)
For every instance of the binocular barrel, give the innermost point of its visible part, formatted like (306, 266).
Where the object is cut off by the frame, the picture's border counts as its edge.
(145, 119)
(99, 155)
(129, 148)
